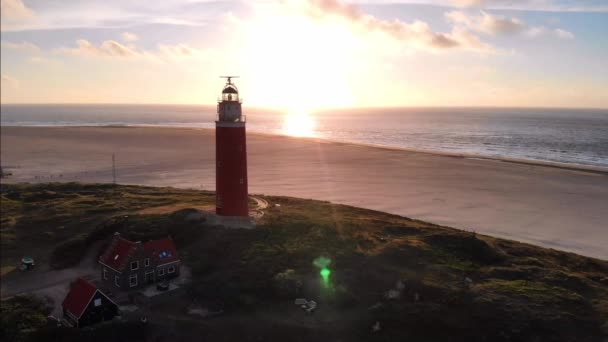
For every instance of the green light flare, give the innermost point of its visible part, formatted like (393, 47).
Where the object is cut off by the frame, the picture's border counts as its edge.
(325, 272)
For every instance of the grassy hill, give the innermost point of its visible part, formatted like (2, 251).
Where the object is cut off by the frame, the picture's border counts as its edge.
(419, 281)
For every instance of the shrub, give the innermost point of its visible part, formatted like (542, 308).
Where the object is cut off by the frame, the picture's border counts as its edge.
(22, 315)
(69, 252)
(287, 283)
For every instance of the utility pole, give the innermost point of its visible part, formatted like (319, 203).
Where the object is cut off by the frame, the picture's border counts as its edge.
(113, 169)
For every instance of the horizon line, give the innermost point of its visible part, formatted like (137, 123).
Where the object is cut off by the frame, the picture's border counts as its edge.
(281, 108)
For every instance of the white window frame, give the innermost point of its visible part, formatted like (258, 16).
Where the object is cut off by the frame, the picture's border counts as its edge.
(117, 281)
(147, 262)
(131, 277)
(161, 271)
(136, 265)
(171, 269)
(105, 273)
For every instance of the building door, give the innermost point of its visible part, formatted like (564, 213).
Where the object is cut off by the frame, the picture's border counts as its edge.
(149, 277)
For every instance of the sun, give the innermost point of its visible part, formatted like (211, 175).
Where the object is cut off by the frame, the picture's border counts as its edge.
(297, 63)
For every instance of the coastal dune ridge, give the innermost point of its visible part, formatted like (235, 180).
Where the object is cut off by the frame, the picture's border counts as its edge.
(507, 198)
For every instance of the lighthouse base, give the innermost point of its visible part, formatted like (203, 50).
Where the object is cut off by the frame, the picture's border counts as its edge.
(245, 222)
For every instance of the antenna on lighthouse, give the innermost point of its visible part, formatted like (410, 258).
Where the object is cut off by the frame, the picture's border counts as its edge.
(229, 78)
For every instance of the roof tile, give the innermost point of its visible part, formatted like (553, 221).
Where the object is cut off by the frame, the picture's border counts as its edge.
(79, 297)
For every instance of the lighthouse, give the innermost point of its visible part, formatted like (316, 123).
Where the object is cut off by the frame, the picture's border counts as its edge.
(230, 154)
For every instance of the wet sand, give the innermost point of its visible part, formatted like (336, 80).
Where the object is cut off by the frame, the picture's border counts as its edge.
(554, 207)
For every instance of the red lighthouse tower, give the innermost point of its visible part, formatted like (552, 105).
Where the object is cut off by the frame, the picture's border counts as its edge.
(230, 154)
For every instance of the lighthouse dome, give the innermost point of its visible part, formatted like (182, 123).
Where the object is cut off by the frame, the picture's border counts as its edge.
(230, 89)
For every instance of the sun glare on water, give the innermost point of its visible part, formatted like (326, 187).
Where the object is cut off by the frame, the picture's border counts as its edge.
(298, 124)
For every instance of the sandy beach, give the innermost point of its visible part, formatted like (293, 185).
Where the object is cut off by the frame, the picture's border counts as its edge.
(554, 207)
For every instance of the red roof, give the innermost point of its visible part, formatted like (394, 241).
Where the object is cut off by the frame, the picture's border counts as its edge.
(79, 297)
(117, 254)
(162, 250)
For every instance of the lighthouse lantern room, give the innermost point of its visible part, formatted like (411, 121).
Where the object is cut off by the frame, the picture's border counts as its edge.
(231, 154)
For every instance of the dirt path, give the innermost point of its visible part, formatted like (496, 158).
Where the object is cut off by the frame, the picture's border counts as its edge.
(52, 284)
(258, 212)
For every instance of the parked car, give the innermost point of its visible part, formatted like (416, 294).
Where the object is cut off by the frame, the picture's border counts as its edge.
(27, 263)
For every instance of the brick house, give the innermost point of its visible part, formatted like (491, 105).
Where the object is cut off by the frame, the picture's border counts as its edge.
(86, 305)
(128, 265)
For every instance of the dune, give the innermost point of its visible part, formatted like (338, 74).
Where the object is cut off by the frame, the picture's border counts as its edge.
(554, 206)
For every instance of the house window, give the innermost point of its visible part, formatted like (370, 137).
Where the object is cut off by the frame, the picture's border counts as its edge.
(171, 269)
(133, 280)
(97, 302)
(134, 265)
(161, 271)
(117, 281)
(147, 262)
(105, 273)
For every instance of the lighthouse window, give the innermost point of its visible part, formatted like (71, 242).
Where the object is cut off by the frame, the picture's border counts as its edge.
(241, 181)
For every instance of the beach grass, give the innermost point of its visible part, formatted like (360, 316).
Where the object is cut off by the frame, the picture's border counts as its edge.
(422, 281)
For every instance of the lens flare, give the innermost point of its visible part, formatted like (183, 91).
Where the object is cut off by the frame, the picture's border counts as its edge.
(325, 275)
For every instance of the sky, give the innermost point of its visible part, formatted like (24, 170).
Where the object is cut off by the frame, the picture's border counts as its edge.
(306, 55)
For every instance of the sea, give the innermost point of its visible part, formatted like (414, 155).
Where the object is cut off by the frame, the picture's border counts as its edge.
(570, 136)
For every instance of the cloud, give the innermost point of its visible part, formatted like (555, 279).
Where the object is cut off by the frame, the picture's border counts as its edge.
(114, 49)
(109, 48)
(500, 25)
(129, 37)
(43, 60)
(15, 9)
(418, 33)
(13, 13)
(114, 14)
(179, 50)
(467, 3)
(487, 23)
(563, 34)
(529, 5)
(536, 31)
(495, 25)
(8, 81)
(21, 46)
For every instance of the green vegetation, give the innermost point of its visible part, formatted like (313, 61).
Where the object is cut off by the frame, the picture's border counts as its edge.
(21, 316)
(57, 222)
(421, 281)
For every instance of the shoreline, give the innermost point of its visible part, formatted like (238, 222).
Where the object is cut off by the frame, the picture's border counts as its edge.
(603, 170)
(555, 206)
